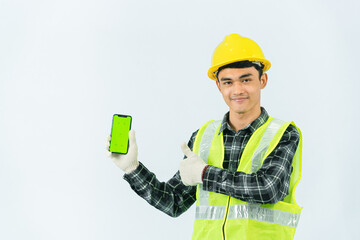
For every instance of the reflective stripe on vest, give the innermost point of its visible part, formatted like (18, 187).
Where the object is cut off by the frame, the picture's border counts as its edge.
(248, 211)
(204, 155)
(258, 213)
(269, 134)
(210, 212)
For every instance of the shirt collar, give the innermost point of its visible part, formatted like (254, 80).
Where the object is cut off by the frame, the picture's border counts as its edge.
(252, 126)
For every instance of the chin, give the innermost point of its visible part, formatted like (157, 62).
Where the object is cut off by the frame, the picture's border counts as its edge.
(239, 111)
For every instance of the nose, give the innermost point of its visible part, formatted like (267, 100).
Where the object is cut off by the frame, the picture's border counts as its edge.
(238, 88)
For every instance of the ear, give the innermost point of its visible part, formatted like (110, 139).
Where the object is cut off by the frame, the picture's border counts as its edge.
(263, 80)
(218, 84)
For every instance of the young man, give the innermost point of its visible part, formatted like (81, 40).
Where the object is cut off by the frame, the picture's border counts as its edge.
(242, 171)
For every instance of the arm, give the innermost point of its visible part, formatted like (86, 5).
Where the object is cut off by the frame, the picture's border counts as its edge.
(171, 197)
(269, 184)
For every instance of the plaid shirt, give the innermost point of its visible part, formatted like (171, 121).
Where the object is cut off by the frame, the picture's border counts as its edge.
(269, 184)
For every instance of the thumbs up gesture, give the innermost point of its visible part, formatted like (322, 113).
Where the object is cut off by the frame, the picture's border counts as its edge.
(191, 167)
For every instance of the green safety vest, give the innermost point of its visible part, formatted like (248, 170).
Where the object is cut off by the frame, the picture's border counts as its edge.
(219, 216)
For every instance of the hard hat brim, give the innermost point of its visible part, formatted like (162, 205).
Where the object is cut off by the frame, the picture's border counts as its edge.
(212, 70)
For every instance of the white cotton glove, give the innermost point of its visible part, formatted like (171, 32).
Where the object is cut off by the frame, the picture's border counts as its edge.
(191, 167)
(127, 162)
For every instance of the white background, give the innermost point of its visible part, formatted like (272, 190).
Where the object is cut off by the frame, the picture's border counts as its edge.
(67, 66)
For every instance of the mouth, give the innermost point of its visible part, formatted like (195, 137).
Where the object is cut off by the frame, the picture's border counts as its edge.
(238, 99)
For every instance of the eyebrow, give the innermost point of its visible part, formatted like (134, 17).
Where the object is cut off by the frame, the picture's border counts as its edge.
(242, 76)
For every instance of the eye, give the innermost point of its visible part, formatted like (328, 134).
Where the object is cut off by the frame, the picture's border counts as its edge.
(246, 80)
(227, 83)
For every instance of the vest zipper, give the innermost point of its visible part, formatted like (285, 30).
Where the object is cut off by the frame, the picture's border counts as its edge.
(226, 216)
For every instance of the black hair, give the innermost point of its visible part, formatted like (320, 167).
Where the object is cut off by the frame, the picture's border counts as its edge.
(242, 64)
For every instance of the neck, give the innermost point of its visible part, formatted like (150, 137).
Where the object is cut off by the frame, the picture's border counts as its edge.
(239, 121)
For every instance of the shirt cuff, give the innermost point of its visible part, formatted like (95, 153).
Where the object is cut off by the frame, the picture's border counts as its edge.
(136, 177)
(209, 183)
(203, 172)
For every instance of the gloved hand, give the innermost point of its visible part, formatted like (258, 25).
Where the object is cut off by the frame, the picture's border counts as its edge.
(127, 162)
(191, 167)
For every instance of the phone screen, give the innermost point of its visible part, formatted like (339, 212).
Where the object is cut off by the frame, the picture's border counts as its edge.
(121, 126)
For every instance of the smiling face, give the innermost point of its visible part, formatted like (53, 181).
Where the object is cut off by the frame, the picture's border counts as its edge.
(240, 88)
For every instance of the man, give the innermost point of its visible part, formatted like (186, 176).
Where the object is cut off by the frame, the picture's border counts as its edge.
(242, 171)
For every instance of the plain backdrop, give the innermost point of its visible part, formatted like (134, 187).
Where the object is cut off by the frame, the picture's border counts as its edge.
(67, 66)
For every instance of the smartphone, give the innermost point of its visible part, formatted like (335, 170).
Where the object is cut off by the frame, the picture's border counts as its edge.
(121, 125)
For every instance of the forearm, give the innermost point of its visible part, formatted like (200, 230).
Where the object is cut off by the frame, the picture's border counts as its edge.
(172, 197)
(258, 187)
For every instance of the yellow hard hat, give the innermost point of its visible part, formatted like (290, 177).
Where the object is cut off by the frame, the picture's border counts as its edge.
(236, 48)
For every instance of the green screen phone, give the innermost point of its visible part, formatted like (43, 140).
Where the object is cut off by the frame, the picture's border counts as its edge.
(121, 126)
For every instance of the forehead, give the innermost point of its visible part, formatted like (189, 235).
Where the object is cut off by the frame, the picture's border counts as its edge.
(236, 72)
